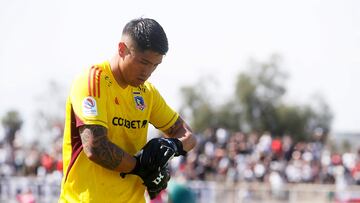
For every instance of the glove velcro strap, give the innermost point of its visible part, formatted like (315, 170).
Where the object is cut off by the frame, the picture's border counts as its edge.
(180, 150)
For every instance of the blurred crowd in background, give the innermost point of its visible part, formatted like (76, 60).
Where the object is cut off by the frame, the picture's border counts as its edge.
(30, 171)
(255, 157)
(21, 159)
(220, 156)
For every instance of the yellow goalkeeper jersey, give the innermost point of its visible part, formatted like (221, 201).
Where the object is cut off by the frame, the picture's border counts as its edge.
(96, 99)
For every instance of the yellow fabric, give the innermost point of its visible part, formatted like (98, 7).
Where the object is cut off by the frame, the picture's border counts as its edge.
(96, 98)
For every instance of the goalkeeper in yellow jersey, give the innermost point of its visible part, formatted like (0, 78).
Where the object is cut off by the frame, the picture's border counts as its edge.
(106, 155)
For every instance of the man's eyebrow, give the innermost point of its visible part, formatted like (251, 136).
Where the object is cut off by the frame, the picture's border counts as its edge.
(147, 61)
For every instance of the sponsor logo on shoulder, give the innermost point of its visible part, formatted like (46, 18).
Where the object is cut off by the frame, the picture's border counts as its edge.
(89, 107)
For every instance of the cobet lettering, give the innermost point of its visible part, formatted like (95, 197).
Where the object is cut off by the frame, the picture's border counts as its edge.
(134, 124)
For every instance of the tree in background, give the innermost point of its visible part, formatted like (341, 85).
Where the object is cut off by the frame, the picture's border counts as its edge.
(197, 105)
(257, 105)
(49, 114)
(12, 123)
(259, 92)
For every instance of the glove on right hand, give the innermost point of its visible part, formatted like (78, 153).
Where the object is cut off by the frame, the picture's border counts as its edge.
(156, 182)
(155, 155)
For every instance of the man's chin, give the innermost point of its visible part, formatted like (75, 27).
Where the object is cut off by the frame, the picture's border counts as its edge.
(137, 84)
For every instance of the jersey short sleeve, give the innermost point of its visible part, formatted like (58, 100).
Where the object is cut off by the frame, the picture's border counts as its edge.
(162, 116)
(88, 98)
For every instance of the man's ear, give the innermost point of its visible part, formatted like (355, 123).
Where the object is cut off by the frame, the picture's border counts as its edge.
(122, 49)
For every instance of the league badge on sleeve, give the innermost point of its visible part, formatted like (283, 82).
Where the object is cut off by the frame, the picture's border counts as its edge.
(89, 107)
(139, 101)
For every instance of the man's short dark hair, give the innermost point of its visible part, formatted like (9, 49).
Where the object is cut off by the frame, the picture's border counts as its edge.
(147, 35)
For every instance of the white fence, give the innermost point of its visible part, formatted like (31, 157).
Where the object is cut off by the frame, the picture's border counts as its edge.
(212, 192)
(46, 190)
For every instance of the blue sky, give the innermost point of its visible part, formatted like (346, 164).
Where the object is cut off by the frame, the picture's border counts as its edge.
(319, 41)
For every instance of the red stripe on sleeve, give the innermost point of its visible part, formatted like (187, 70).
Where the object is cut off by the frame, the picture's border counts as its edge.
(89, 80)
(98, 83)
(94, 80)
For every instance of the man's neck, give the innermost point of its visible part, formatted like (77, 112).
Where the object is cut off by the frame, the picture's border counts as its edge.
(116, 71)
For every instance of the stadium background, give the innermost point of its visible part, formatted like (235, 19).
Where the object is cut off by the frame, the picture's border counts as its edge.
(301, 60)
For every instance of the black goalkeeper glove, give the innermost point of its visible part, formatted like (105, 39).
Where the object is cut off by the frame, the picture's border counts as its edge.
(156, 182)
(153, 158)
(173, 144)
(152, 163)
(155, 155)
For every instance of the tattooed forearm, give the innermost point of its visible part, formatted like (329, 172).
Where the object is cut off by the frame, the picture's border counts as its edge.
(183, 132)
(173, 129)
(98, 148)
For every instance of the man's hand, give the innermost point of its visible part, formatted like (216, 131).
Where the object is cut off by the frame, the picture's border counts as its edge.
(152, 163)
(156, 154)
(156, 182)
(173, 144)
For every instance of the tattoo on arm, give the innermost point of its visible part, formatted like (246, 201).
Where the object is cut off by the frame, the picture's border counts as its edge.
(174, 128)
(101, 150)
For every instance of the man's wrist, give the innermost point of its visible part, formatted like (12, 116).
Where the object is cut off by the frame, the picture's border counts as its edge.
(133, 167)
(179, 146)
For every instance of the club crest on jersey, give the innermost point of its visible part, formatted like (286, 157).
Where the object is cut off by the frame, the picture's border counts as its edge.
(139, 101)
(89, 107)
